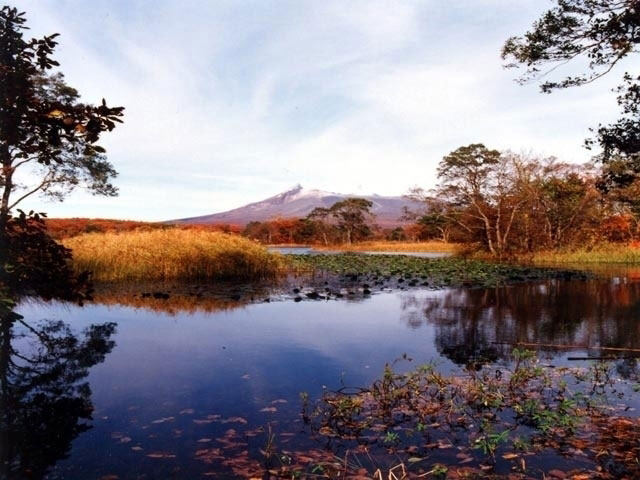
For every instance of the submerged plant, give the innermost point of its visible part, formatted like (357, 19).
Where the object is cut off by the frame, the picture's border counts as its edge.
(489, 442)
(391, 438)
(439, 470)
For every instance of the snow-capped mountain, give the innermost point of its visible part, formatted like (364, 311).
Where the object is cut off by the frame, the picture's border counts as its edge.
(299, 202)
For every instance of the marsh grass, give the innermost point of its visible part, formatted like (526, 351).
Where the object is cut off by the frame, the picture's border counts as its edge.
(604, 253)
(172, 254)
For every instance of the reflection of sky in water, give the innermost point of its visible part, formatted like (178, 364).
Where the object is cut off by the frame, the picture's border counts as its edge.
(232, 363)
(319, 340)
(236, 362)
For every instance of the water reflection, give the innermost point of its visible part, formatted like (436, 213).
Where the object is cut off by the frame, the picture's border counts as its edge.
(171, 305)
(177, 298)
(45, 400)
(474, 324)
(184, 375)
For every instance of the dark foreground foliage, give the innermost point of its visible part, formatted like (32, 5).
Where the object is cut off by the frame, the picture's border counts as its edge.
(33, 263)
(600, 34)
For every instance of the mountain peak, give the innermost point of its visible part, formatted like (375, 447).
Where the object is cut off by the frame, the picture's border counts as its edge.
(298, 202)
(284, 197)
(295, 189)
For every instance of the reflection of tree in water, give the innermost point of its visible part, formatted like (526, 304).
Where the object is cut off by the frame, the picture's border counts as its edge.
(468, 322)
(45, 402)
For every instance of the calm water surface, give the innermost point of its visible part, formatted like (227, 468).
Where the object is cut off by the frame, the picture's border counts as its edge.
(312, 251)
(178, 377)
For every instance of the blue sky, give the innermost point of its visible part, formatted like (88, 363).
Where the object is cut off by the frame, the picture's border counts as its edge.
(229, 102)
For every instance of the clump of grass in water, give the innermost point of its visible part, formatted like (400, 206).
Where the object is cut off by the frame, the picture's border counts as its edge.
(487, 418)
(172, 254)
(480, 425)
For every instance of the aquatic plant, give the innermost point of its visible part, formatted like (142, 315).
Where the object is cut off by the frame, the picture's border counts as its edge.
(393, 270)
(489, 442)
(504, 417)
(421, 423)
(171, 254)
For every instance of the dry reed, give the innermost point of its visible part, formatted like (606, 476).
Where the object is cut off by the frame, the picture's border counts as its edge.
(603, 253)
(171, 254)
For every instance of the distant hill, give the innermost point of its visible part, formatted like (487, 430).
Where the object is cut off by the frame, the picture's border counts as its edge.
(299, 202)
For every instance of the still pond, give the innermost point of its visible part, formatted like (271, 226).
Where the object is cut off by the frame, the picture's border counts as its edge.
(171, 387)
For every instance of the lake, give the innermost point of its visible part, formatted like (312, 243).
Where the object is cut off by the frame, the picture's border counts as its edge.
(312, 251)
(187, 384)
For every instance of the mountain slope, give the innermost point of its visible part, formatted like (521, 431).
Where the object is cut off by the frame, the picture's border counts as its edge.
(299, 202)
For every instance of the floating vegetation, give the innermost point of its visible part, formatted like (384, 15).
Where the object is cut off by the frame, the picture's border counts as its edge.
(407, 271)
(524, 422)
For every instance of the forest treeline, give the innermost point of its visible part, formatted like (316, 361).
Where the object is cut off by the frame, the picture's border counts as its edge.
(508, 202)
(278, 230)
(501, 202)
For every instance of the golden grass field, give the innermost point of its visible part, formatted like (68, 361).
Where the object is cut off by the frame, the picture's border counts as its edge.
(171, 254)
(387, 246)
(603, 253)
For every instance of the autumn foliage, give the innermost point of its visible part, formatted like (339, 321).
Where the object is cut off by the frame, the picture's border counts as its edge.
(60, 228)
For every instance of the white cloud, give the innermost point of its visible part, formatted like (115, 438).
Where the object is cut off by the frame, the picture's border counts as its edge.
(229, 102)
